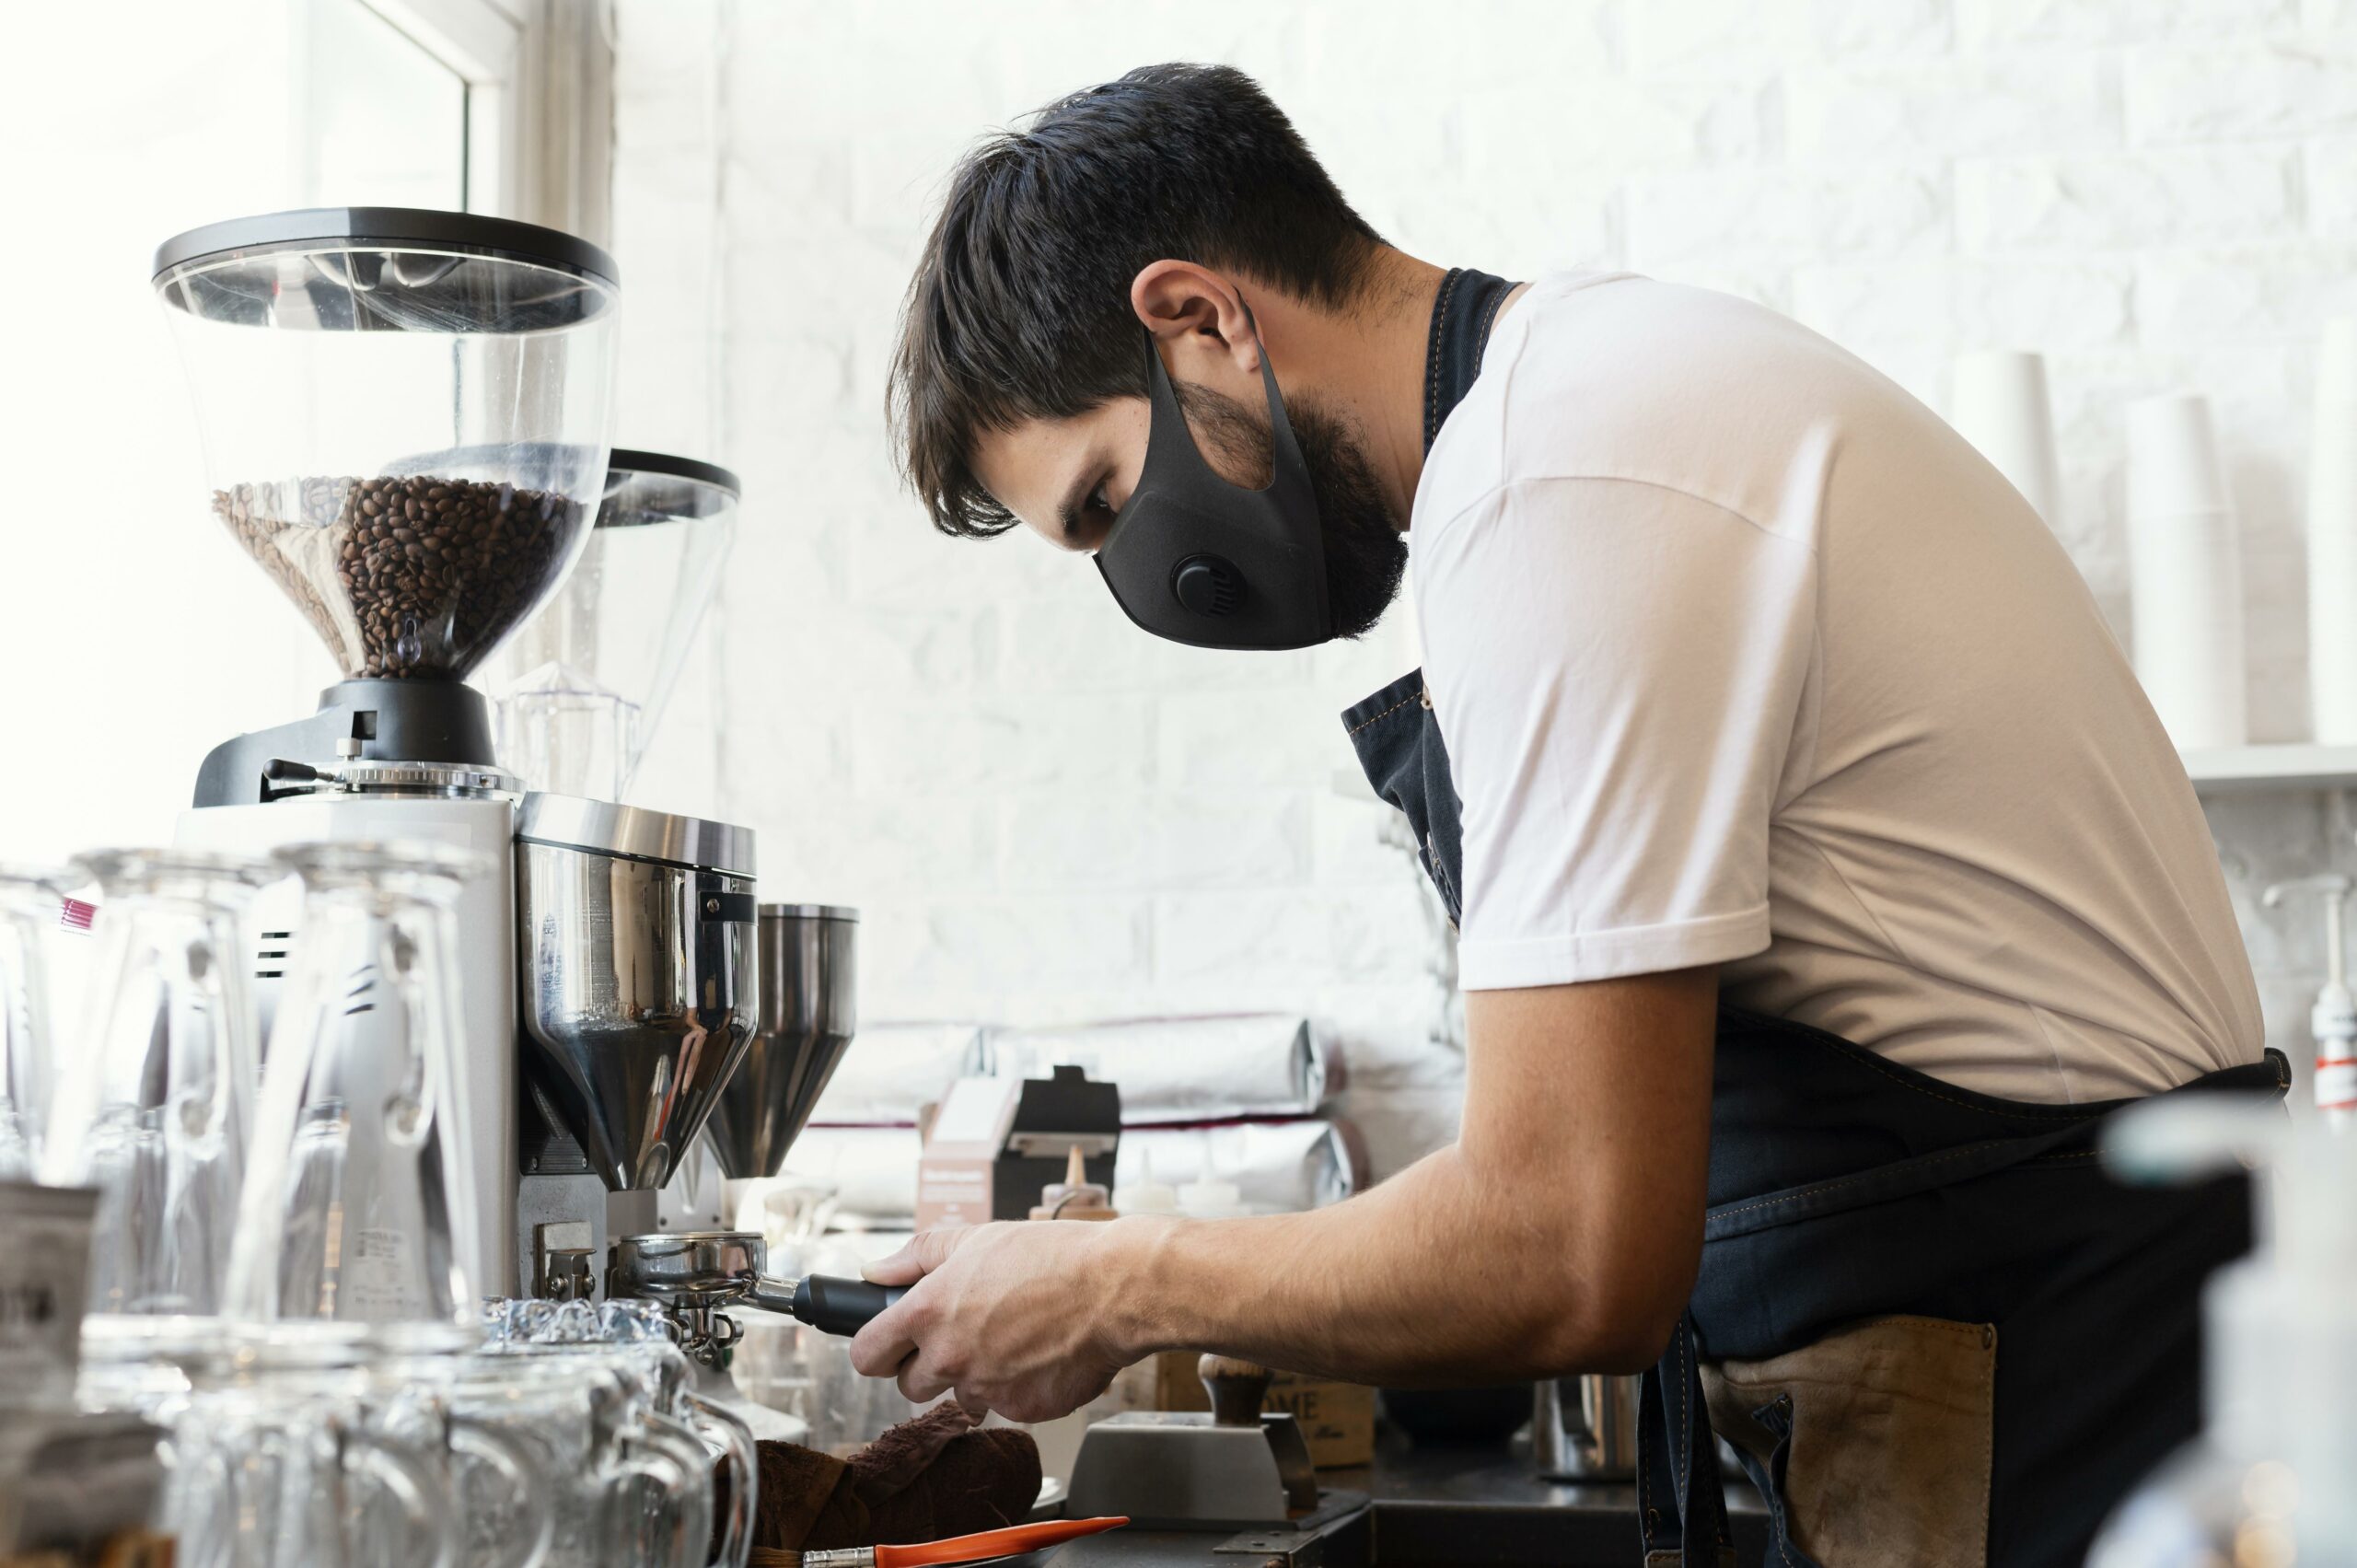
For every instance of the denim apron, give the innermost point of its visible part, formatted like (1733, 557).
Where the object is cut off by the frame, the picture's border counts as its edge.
(1934, 1329)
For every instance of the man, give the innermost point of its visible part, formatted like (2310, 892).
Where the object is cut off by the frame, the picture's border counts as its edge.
(1822, 874)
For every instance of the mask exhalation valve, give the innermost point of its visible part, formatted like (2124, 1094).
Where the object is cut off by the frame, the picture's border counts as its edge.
(1207, 585)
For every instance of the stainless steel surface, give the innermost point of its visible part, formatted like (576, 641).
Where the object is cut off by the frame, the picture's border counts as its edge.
(693, 1274)
(544, 1203)
(1586, 1428)
(563, 1254)
(694, 1267)
(811, 911)
(1166, 1468)
(572, 823)
(696, 1198)
(809, 956)
(639, 997)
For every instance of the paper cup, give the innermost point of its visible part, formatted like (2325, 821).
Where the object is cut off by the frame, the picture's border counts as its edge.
(2185, 578)
(2173, 467)
(2332, 536)
(2001, 406)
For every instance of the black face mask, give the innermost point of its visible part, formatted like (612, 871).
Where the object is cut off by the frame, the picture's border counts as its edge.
(1195, 559)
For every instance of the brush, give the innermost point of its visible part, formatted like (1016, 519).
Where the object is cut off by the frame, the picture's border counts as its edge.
(957, 1548)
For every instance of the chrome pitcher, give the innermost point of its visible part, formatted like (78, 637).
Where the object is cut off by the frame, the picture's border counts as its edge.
(1586, 1428)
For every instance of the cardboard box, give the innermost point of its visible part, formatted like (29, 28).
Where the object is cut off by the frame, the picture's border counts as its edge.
(994, 1143)
(1337, 1419)
(960, 1146)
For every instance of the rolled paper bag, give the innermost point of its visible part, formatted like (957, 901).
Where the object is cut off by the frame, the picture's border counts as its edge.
(2002, 408)
(2185, 573)
(2332, 538)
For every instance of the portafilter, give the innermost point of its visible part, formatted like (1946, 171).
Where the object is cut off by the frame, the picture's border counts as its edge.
(695, 1274)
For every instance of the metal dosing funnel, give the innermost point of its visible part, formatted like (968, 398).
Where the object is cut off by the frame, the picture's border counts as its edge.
(808, 954)
(639, 976)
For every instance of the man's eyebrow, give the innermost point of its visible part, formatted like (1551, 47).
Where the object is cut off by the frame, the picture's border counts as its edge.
(1068, 509)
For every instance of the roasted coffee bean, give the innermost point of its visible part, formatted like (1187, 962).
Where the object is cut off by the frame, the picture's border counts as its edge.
(418, 577)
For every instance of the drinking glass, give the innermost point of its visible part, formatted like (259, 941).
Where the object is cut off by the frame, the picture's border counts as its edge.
(29, 900)
(289, 1470)
(155, 1103)
(633, 1486)
(633, 1339)
(359, 1209)
(408, 1475)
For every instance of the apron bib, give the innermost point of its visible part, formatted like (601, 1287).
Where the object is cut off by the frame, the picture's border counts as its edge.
(1932, 1328)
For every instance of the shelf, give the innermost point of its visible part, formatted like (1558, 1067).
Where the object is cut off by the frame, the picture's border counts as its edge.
(2232, 769)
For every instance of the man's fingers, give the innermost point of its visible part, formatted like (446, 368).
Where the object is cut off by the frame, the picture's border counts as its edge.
(923, 1254)
(881, 1348)
(920, 1385)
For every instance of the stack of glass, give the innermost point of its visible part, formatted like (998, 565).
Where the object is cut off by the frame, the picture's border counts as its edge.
(283, 1286)
(31, 898)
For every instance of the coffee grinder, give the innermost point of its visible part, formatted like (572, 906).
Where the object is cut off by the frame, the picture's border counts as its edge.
(405, 419)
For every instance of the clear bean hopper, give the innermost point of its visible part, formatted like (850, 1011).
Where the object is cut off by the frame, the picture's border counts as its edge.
(580, 690)
(323, 346)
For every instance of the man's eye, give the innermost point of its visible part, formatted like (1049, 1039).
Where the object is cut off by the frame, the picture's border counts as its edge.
(1096, 499)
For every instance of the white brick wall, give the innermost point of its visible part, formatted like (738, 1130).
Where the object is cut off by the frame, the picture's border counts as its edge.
(1048, 816)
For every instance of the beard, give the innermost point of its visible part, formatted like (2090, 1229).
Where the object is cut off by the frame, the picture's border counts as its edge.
(1366, 555)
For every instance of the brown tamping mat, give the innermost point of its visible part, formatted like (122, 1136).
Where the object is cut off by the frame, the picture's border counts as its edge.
(936, 1475)
(127, 1548)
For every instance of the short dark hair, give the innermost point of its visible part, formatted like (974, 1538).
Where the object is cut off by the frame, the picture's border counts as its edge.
(1020, 306)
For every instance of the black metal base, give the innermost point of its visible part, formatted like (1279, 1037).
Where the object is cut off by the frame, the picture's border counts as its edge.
(395, 721)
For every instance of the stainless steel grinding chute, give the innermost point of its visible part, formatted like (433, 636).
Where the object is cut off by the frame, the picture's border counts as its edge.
(639, 978)
(810, 962)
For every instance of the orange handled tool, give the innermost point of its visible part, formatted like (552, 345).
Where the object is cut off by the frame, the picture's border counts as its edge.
(963, 1548)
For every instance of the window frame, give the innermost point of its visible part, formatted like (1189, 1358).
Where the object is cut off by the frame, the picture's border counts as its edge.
(538, 77)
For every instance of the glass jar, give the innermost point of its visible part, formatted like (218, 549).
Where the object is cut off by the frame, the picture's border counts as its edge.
(155, 1101)
(31, 898)
(359, 1207)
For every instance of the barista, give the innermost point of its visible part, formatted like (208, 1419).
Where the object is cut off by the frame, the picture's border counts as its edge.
(1823, 876)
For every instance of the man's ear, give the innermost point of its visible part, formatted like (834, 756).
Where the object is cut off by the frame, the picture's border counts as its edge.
(1190, 309)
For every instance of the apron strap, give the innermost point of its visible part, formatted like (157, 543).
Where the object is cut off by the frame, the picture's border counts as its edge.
(1687, 1529)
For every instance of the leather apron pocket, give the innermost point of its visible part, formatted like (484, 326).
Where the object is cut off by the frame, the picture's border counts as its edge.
(1874, 1442)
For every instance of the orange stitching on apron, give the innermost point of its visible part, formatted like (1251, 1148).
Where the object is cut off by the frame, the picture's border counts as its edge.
(1388, 711)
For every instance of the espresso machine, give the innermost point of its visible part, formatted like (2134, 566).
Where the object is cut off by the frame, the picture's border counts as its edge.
(405, 419)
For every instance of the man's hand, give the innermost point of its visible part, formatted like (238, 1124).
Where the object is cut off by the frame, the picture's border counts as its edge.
(1024, 1318)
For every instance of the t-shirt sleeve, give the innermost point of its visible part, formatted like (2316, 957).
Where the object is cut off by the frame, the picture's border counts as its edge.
(1619, 670)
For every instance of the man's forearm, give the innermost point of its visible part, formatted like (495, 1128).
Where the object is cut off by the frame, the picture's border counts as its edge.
(1561, 1232)
(1429, 1278)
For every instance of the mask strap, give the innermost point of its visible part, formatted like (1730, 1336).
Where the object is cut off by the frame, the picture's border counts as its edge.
(1288, 474)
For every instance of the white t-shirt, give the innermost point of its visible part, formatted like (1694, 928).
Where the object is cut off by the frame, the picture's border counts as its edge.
(1744, 657)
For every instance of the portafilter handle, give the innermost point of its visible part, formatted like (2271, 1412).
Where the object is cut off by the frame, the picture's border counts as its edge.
(827, 1302)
